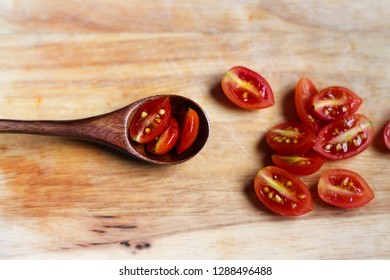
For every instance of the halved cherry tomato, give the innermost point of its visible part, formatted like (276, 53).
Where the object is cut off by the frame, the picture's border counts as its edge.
(386, 135)
(335, 102)
(344, 188)
(282, 192)
(247, 89)
(304, 91)
(166, 141)
(189, 126)
(151, 120)
(345, 138)
(291, 138)
(305, 164)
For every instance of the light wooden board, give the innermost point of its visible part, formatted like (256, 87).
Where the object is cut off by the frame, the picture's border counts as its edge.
(62, 198)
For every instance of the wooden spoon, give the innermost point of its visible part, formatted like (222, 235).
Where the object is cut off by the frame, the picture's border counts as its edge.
(112, 129)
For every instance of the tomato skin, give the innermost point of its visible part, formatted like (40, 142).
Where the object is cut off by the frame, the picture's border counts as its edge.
(166, 141)
(305, 164)
(291, 138)
(386, 135)
(189, 126)
(335, 102)
(247, 89)
(282, 192)
(344, 188)
(304, 92)
(151, 120)
(345, 138)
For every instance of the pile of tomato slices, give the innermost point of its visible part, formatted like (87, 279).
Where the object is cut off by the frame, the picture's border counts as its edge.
(162, 130)
(329, 129)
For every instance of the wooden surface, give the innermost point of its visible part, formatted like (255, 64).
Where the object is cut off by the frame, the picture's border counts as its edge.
(62, 198)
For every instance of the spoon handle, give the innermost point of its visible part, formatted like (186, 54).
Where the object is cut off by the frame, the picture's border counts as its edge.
(104, 129)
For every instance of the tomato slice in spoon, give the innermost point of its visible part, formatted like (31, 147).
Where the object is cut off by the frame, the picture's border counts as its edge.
(189, 126)
(151, 120)
(166, 141)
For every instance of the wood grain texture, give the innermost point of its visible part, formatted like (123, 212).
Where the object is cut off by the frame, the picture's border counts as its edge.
(62, 198)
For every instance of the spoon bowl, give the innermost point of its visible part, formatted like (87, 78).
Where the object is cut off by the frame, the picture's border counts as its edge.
(112, 129)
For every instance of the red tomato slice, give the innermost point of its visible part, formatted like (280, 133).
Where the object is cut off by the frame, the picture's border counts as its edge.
(291, 138)
(282, 192)
(386, 135)
(166, 141)
(189, 127)
(151, 120)
(247, 89)
(334, 103)
(305, 164)
(304, 91)
(344, 188)
(345, 138)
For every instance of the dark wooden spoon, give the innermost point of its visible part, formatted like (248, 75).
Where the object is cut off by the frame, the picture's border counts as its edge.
(111, 129)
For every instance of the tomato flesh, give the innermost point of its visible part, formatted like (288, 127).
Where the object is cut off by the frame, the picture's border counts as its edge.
(151, 120)
(305, 164)
(386, 135)
(345, 138)
(166, 141)
(282, 192)
(189, 126)
(247, 89)
(335, 102)
(291, 138)
(304, 92)
(344, 188)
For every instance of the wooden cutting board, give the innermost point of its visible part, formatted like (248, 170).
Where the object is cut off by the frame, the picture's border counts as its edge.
(62, 198)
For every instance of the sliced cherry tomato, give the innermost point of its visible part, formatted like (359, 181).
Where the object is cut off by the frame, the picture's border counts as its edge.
(247, 89)
(345, 138)
(282, 192)
(166, 141)
(291, 138)
(305, 164)
(344, 188)
(304, 92)
(151, 120)
(386, 135)
(189, 126)
(334, 103)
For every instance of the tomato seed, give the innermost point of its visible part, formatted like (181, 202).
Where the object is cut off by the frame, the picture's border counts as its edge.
(277, 198)
(144, 114)
(302, 196)
(328, 147)
(293, 205)
(147, 130)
